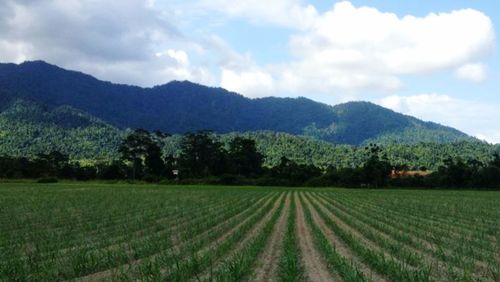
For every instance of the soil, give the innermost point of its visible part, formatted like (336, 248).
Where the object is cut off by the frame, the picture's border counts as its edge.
(267, 263)
(342, 248)
(315, 268)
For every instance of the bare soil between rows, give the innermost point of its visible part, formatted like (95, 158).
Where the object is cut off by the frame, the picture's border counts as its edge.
(268, 263)
(315, 267)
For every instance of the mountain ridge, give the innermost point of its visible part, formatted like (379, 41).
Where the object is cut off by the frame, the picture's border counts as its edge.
(182, 106)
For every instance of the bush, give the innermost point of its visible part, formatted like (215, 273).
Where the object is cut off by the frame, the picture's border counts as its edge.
(230, 179)
(271, 181)
(166, 181)
(150, 178)
(47, 180)
(320, 181)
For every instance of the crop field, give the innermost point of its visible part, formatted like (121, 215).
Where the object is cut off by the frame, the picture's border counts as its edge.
(81, 232)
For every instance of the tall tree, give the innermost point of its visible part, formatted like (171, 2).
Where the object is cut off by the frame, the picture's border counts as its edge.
(201, 155)
(142, 149)
(377, 168)
(153, 160)
(293, 173)
(52, 164)
(243, 158)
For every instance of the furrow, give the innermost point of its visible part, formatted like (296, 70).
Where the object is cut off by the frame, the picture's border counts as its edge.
(342, 248)
(266, 269)
(315, 268)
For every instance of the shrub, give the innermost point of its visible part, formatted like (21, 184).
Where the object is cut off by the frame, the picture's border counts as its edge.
(47, 180)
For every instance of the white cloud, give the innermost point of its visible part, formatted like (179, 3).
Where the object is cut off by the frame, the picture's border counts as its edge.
(355, 48)
(472, 72)
(124, 41)
(348, 48)
(360, 47)
(255, 83)
(288, 13)
(179, 56)
(178, 66)
(491, 137)
(475, 118)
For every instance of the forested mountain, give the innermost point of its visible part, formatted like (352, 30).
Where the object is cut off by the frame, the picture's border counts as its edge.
(28, 128)
(178, 107)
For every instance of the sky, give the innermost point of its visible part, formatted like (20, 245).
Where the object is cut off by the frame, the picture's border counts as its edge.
(435, 60)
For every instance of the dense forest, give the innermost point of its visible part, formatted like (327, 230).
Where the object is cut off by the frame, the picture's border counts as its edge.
(60, 123)
(203, 158)
(306, 150)
(28, 129)
(180, 107)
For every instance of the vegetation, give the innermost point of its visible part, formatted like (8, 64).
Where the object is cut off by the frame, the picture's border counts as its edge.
(203, 158)
(86, 231)
(290, 267)
(57, 125)
(306, 150)
(180, 107)
(27, 129)
(59, 116)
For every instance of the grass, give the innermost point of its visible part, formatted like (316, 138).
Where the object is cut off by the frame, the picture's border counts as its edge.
(69, 230)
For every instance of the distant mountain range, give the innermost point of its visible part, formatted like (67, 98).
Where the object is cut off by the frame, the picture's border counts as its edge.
(43, 96)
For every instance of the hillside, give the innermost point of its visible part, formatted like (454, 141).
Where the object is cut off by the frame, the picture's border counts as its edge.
(27, 128)
(307, 150)
(178, 107)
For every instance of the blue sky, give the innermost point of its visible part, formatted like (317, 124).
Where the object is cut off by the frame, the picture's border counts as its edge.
(436, 60)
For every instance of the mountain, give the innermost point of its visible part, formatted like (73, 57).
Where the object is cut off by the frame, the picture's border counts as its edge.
(28, 128)
(178, 107)
(363, 122)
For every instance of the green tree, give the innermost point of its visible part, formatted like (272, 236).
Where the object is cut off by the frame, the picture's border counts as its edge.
(142, 149)
(293, 173)
(52, 164)
(243, 157)
(377, 168)
(154, 162)
(201, 155)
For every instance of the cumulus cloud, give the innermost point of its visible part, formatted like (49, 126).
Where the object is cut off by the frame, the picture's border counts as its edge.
(179, 56)
(352, 47)
(348, 47)
(475, 118)
(254, 83)
(117, 40)
(472, 72)
(357, 48)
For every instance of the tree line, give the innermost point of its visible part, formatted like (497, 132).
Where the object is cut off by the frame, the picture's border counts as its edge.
(203, 158)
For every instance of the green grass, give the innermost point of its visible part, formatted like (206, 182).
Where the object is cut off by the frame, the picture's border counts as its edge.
(69, 230)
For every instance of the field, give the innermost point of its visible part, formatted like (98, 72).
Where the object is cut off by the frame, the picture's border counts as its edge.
(96, 232)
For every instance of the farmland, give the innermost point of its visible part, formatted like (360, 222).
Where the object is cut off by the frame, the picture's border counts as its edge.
(84, 231)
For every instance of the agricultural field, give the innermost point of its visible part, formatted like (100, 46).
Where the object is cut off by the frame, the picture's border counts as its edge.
(99, 232)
